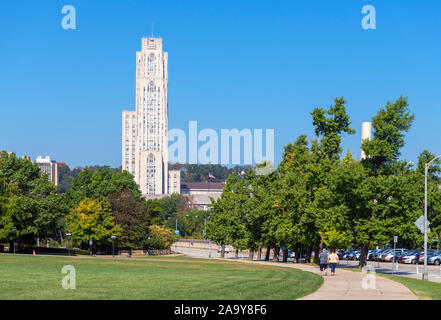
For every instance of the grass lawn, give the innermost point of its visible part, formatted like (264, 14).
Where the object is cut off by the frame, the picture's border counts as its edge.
(424, 290)
(166, 278)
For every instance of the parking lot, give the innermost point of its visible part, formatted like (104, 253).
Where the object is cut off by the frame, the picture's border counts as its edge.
(400, 269)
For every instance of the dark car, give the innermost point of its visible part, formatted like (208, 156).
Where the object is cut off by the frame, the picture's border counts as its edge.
(353, 255)
(340, 254)
(421, 255)
(377, 254)
(371, 253)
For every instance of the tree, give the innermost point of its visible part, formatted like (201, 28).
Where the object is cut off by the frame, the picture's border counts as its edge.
(99, 184)
(156, 237)
(332, 127)
(92, 219)
(173, 207)
(390, 125)
(129, 211)
(426, 157)
(30, 207)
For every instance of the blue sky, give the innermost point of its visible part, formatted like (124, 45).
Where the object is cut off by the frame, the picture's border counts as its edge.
(232, 64)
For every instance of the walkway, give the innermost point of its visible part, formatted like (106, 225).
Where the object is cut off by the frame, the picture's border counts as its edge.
(347, 285)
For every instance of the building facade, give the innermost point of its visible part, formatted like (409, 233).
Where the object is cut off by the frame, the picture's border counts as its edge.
(145, 130)
(200, 193)
(174, 181)
(49, 167)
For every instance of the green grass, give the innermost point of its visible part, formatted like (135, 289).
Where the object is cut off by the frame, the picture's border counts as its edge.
(424, 290)
(167, 278)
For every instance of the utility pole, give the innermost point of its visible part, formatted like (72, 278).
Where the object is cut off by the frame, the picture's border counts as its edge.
(426, 173)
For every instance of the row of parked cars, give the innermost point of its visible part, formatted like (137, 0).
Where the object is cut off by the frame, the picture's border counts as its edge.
(394, 255)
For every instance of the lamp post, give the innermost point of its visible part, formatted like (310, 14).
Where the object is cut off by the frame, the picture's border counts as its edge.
(426, 173)
(113, 246)
(68, 235)
(90, 246)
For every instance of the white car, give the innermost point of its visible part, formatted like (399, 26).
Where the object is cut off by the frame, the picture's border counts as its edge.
(392, 254)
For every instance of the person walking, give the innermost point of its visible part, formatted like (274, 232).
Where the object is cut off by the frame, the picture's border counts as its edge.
(323, 262)
(333, 261)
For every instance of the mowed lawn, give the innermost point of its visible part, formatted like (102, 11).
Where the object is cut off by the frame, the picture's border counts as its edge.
(166, 278)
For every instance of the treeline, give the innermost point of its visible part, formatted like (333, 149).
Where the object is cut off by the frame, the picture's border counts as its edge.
(200, 172)
(101, 202)
(189, 173)
(316, 198)
(67, 175)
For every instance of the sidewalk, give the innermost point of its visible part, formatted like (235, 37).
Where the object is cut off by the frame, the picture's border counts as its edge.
(347, 285)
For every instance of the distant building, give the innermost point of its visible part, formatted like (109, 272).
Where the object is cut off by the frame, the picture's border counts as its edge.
(199, 193)
(174, 181)
(145, 130)
(49, 167)
(366, 134)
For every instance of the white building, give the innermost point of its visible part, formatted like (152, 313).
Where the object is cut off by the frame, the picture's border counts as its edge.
(200, 193)
(145, 131)
(49, 167)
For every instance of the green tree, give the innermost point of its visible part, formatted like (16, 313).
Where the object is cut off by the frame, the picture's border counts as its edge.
(331, 127)
(30, 207)
(92, 219)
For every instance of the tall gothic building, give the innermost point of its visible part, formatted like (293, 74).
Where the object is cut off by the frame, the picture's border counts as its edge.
(145, 131)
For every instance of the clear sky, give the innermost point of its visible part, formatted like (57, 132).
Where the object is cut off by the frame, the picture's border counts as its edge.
(232, 64)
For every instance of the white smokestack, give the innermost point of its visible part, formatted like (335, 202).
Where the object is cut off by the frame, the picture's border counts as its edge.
(366, 133)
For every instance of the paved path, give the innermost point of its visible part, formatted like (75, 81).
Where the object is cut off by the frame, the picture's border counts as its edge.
(347, 285)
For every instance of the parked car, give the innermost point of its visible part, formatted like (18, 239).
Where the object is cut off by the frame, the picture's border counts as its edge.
(400, 257)
(371, 253)
(353, 255)
(376, 255)
(420, 255)
(391, 255)
(340, 254)
(347, 253)
(435, 258)
(412, 257)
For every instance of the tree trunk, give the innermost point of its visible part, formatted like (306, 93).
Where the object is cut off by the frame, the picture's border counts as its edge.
(251, 255)
(285, 255)
(267, 253)
(259, 253)
(363, 255)
(318, 249)
(223, 251)
(236, 254)
(308, 254)
(276, 254)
